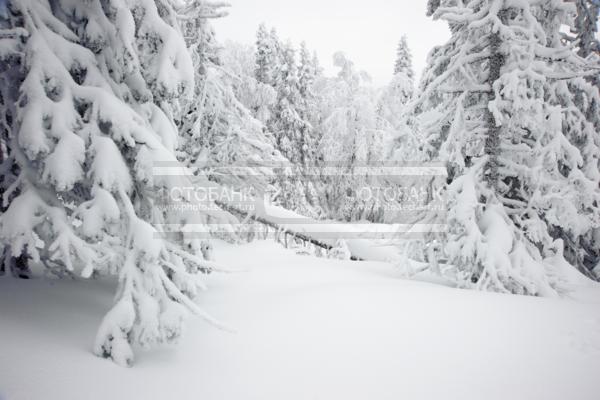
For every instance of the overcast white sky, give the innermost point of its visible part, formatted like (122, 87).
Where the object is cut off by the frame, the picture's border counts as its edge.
(368, 31)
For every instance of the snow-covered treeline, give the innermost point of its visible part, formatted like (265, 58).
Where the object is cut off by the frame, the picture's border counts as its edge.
(321, 123)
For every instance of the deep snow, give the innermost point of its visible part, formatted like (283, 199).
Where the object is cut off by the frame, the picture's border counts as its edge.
(308, 328)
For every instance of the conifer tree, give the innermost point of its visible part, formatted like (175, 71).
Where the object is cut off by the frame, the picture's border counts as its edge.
(391, 107)
(492, 109)
(403, 59)
(266, 55)
(585, 27)
(307, 75)
(290, 131)
(87, 115)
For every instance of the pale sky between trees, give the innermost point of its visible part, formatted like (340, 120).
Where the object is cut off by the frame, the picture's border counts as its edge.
(367, 31)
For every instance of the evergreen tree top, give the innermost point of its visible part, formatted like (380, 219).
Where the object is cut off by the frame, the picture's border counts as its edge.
(403, 59)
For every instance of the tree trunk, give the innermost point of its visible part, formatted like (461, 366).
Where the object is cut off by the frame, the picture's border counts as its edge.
(492, 140)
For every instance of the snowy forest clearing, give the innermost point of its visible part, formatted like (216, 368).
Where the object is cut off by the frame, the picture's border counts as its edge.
(309, 328)
(327, 237)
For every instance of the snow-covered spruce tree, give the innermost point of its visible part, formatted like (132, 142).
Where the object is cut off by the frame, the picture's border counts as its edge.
(580, 103)
(11, 77)
(290, 131)
(307, 74)
(398, 93)
(267, 54)
(217, 130)
(521, 189)
(587, 103)
(308, 71)
(585, 27)
(286, 123)
(428, 110)
(316, 66)
(403, 59)
(98, 82)
(200, 40)
(391, 107)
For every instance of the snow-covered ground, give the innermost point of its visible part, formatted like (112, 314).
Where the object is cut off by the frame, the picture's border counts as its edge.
(308, 328)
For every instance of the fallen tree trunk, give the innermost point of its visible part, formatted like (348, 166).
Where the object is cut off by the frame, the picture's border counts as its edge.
(284, 230)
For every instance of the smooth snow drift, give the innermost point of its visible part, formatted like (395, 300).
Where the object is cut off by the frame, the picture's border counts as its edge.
(308, 328)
